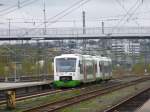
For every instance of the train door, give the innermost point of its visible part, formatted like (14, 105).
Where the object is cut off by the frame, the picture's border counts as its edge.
(88, 70)
(107, 67)
(101, 70)
(110, 69)
(84, 70)
(81, 70)
(94, 69)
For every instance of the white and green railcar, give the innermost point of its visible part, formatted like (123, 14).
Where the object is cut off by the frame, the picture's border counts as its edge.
(70, 70)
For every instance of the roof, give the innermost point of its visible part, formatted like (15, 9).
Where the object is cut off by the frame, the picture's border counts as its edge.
(85, 56)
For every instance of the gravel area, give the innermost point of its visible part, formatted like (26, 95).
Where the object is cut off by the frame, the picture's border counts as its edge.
(100, 103)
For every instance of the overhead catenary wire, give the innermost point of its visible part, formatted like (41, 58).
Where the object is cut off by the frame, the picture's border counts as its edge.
(71, 21)
(124, 15)
(61, 15)
(19, 4)
(66, 11)
(70, 7)
(103, 18)
(15, 7)
(128, 14)
(115, 16)
(126, 10)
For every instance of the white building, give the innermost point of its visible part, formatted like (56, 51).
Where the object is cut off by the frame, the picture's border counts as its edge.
(132, 48)
(126, 46)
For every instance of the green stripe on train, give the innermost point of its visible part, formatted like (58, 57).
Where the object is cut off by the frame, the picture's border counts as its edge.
(72, 83)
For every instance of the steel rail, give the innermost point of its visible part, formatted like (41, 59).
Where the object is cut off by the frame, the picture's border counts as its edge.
(44, 93)
(32, 96)
(122, 106)
(88, 95)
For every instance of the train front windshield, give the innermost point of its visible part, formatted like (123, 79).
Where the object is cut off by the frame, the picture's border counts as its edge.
(66, 64)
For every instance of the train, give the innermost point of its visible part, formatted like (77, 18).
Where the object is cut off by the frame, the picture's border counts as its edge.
(72, 70)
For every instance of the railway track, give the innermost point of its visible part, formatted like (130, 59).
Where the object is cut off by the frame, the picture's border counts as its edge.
(20, 97)
(131, 104)
(33, 96)
(82, 97)
(47, 90)
(50, 92)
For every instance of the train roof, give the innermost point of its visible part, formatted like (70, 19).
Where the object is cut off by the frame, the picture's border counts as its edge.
(68, 55)
(85, 56)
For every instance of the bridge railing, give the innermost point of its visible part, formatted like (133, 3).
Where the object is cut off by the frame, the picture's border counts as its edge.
(74, 31)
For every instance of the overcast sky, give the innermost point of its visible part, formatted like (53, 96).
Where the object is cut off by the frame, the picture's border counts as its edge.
(112, 12)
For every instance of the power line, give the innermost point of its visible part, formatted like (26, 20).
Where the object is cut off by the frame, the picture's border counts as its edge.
(105, 17)
(70, 9)
(64, 12)
(71, 21)
(44, 16)
(122, 19)
(130, 15)
(19, 4)
(73, 5)
(67, 13)
(14, 8)
(127, 14)
(125, 10)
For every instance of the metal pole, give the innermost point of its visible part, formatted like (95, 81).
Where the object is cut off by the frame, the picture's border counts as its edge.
(9, 23)
(83, 17)
(38, 56)
(18, 3)
(16, 62)
(84, 31)
(44, 14)
(145, 55)
(102, 27)
(15, 72)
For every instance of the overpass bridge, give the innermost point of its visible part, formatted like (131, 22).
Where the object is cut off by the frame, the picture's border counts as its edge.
(75, 33)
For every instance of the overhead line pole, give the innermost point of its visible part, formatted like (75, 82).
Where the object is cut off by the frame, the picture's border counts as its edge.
(102, 27)
(44, 12)
(9, 23)
(84, 30)
(18, 3)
